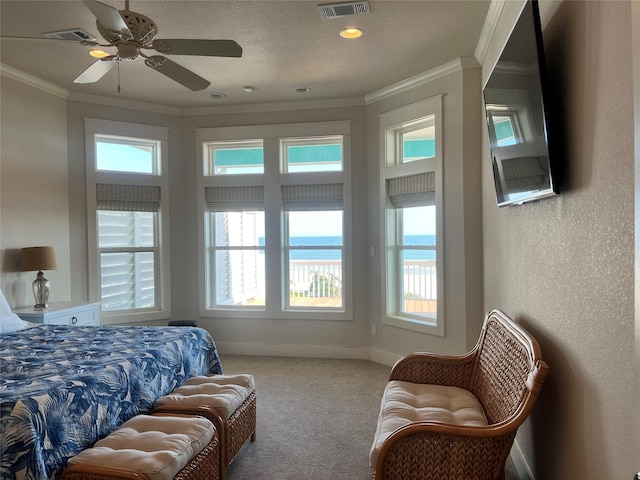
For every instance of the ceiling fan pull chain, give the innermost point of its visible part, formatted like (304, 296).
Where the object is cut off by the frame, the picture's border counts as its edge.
(118, 77)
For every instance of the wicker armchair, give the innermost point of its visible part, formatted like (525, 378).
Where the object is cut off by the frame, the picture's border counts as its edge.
(504, 371)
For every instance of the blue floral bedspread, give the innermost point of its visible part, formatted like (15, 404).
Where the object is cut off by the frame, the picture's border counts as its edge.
(62, 388)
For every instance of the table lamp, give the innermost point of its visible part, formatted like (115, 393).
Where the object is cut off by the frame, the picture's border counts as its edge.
(38, 259)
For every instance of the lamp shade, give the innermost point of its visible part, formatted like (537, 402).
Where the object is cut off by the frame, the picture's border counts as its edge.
(39, 258)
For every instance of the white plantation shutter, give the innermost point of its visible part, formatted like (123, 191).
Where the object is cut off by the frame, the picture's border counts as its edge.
(126, 237)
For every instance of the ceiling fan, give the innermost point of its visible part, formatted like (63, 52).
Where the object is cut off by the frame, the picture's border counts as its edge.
(131, 33)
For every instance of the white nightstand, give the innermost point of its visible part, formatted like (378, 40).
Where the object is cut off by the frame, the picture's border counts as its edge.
(63, 313)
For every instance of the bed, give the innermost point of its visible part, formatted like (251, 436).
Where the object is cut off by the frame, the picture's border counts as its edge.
(62, 388)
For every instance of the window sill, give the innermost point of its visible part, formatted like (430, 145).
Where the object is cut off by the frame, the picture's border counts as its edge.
(431, 328)
(291, 314)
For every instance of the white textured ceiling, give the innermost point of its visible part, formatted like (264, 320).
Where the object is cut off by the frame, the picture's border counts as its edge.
(286, 44)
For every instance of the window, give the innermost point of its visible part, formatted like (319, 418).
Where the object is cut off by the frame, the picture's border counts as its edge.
(234, 158)
(128, 228)
(411, 195)
(274, 214)
(505, 130)
(313, 245)
(312, 154)
(235, 246)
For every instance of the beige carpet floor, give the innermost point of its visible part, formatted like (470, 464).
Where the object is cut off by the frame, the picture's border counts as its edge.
(316, 418)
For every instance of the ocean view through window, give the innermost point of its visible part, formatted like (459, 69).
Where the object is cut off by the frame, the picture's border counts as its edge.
(275, 214)
(411, 200)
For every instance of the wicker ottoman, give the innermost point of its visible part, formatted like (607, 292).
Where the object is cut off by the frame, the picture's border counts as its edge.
(229, 401)
(151, 447)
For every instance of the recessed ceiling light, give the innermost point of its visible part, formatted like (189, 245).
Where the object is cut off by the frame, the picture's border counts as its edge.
(351, 32)
(98, 53)
(218, 96)
(248, 88)
(303, 90)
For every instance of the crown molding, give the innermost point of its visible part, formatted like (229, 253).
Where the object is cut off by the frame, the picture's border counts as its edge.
(32, 81)
(273, 107)
(422, 78)
(417, 80)
(488, 29)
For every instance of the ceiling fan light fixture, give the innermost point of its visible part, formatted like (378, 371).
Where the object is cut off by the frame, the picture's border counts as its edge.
(96, 53)
(350, 33)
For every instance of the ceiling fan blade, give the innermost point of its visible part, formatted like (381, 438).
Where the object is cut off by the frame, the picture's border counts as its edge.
(108, 17)
(177, 72)
(205, 48)
(47, 39)
(95, 72)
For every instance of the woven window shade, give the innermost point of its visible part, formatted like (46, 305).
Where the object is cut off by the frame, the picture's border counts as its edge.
(128, 198)
(412, 191)
(234, 199)
(312, 197)
(524, 174)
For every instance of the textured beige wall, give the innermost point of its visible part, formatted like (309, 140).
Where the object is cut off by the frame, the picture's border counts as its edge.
(34, 201)
(564, 266)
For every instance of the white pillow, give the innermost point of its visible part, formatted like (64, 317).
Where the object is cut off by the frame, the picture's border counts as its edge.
(9, 321)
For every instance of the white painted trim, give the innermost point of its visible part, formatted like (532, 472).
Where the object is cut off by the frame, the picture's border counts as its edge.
(163, 279)
(28, 79)
(382, 357)
(520, 463)
(292, 350)
(390, 123)
(272, 179)
(488, 29)
(422, 78)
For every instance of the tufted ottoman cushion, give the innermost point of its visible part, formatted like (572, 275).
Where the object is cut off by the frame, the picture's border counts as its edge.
(223, 392)
(405, 402)
(229, 401)
(157, 447)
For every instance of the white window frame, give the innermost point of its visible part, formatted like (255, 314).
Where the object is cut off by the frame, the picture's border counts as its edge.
(272, 180)
(392, 122)
(160, 179)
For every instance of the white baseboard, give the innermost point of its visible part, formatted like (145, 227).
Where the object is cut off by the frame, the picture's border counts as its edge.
(293, 350)
(520, 463)
(383, 357)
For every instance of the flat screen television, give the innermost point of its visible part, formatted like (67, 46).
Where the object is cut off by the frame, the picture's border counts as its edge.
(516, 103)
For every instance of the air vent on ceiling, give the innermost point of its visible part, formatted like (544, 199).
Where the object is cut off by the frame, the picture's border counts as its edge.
(335, 10)
(75, 34)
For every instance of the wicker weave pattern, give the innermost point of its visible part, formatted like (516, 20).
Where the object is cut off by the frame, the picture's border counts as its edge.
(418, 369)
(240, 426)
(429, 456)
(505, 371)
(204, 466)
(501, 385)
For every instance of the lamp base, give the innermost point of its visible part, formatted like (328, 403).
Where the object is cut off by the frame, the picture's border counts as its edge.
(40, 288)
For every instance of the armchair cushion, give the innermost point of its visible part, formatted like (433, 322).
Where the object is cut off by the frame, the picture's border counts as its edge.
(404, 403)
